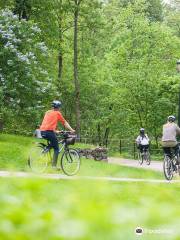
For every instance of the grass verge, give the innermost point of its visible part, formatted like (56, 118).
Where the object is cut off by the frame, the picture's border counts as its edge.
(14, 151)
(64, 209)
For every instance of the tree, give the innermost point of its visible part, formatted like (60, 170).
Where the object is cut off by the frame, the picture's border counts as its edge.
(141, 59)
(23, 68)
(155, 10)
(22, 8)
(172, 16)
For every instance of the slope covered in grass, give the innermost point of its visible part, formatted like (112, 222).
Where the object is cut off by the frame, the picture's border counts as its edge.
(14, 151)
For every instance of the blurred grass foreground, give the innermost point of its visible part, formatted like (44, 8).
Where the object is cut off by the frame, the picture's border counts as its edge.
(34, 208)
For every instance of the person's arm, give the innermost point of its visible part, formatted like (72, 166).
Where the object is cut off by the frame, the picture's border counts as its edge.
(147, 137)
(177, 130)
(138, 140)
(66, 124)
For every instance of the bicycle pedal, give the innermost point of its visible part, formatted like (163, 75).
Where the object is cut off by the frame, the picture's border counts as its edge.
(175, 168)
(56, 168)
(46, 149)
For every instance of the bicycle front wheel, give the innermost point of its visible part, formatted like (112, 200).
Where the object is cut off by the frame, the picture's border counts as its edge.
(70, 162)
(38, 159)
(168, 168)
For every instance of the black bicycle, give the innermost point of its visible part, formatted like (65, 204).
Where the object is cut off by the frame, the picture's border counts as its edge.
(171, 165)
(144, 156)
(41, 155)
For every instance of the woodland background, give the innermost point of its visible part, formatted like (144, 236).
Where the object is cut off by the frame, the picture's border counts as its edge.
(112, 63)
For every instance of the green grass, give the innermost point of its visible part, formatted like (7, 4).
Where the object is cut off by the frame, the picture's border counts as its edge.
(93, 168)
(14, 151)
(34, 208)
(62, 209)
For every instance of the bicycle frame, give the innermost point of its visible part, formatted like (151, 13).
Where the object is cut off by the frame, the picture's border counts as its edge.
(63, 145)
(144, 155)
(59, 142)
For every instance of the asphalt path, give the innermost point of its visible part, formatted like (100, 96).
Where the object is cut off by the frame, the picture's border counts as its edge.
(12, 174)
(155, 165)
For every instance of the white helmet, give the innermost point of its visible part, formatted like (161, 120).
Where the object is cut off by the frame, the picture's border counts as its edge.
(171, 118)
(56, 104)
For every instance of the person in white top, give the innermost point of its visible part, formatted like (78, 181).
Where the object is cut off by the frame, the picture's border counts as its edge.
(142, 141)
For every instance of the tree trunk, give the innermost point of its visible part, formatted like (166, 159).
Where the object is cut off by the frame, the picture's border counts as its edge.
(106, 136)
(179, 109)
(1, 124)
(60, 65)
(60, 53)
(99, 134)
(76, 81)
(156, 137)
(22, 8)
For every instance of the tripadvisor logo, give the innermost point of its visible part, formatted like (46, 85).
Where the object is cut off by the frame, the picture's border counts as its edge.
(139, 231)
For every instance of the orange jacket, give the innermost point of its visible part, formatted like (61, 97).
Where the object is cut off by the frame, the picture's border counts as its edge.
(51, 119)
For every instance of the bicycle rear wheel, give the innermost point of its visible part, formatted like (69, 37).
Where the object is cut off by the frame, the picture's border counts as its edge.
(39, 158)
(70, 162)
(147, 157)
(140, 157)
(179, 169)
(168, 168)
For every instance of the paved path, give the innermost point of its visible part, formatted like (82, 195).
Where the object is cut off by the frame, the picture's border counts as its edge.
(64, 177)
(155, 165)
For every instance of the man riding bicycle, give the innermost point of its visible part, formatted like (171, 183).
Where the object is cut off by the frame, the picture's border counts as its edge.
(142, 141)
(170, 131)
(48, 128)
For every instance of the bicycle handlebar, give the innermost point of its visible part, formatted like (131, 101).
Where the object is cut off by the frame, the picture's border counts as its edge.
(65, 132)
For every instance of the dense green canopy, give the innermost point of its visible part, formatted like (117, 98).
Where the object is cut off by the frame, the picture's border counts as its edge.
(112, 63)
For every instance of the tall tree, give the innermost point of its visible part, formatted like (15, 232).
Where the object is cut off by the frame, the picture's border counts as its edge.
(172, 16)
(76, 80)
(22, 8)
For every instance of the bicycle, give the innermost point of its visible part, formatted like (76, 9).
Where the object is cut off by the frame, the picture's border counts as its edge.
(171, 165)
(40, 156)
(144, 156)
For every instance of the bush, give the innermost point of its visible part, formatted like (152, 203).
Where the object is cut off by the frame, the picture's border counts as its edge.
(24, 76)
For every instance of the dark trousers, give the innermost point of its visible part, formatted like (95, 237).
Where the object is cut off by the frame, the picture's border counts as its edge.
(51, 137)
(168, 150)
(143, 147)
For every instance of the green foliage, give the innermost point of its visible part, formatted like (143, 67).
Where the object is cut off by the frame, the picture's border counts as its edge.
(155, 10)
(24, 73)
(172, 16)
(51, 209)
(127, 51)
(140, 59)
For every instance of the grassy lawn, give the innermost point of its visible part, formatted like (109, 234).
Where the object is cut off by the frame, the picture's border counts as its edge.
(38, 209)
(14, 152)
(63, 209)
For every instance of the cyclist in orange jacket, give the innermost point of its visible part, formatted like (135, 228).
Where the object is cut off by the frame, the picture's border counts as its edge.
(49, 125)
